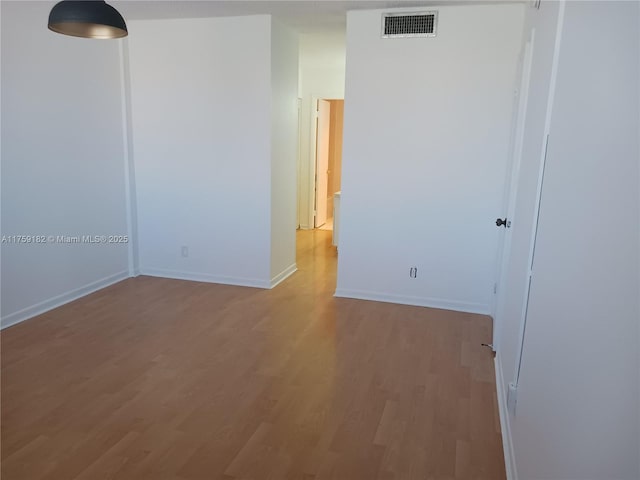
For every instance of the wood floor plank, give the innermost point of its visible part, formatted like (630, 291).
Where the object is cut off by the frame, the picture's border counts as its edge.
(159, 379)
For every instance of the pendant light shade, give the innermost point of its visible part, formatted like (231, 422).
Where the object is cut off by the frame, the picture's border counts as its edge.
(88, 19)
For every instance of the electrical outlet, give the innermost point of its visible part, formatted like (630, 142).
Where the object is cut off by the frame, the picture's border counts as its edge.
(185, 251)
(413, 272)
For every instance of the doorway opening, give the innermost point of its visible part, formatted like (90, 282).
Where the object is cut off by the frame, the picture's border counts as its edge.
(321, 84)
(328, 161)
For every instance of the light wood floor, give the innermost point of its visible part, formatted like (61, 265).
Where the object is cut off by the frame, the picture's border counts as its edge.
(165, 379)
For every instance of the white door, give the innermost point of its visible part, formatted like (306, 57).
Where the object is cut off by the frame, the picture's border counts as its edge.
(505, 249)
(322, 161)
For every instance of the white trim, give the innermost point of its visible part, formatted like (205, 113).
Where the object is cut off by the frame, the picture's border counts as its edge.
(205, 277)
(283, 275)
(505, 424)
(59, 300)
(313, 133)
(439, 303)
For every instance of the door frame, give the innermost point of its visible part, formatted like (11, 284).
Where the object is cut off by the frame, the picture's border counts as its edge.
(317, 172)
(312, 161)
(311, 156)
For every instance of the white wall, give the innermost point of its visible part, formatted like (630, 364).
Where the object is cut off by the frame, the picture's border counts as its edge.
(63, 167)
(427, 126)
(577, 415)
(284, 151)
(322, 75)
(201, 103)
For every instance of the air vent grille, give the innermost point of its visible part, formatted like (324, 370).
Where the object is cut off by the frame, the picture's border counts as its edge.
(415, 24)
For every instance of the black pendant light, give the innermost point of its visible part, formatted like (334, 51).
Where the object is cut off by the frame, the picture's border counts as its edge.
(88, 19)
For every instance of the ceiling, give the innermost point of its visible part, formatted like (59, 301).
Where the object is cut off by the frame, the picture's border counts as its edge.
(305, 16)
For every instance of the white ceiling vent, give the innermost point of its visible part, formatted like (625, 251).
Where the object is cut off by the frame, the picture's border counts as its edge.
(409, 24)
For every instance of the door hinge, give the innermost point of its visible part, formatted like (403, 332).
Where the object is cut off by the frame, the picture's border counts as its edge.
(512, 398)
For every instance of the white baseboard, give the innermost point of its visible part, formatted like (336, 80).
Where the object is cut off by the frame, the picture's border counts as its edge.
(416, 301)
(59, 300)
(205, 277)
(283, 275)
(505, 424)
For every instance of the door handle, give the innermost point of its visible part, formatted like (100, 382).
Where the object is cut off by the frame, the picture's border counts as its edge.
(502, 223)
